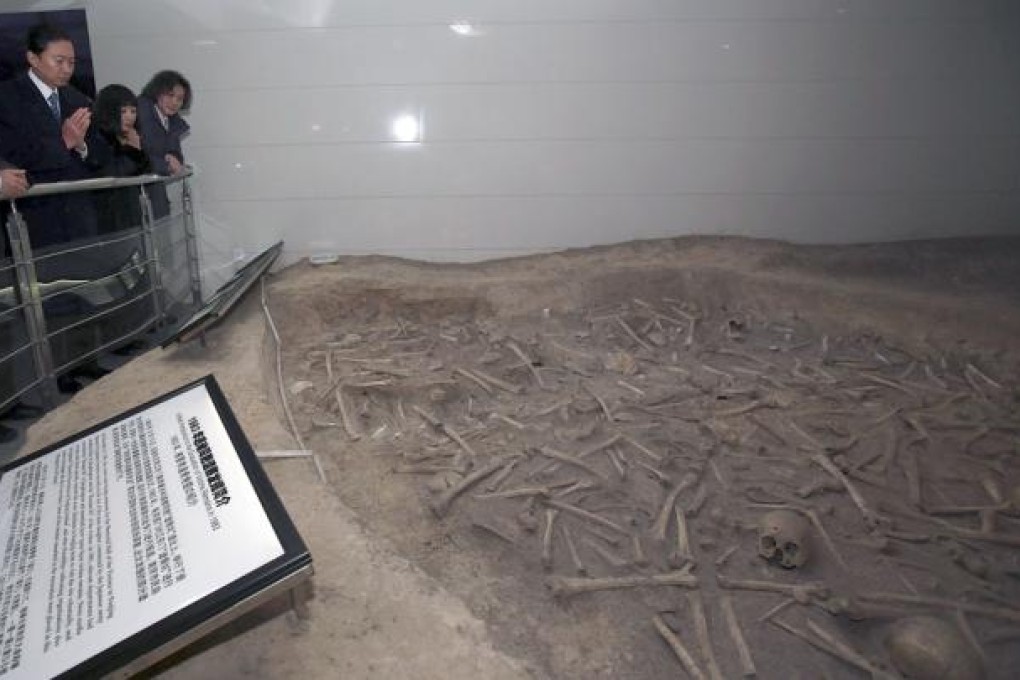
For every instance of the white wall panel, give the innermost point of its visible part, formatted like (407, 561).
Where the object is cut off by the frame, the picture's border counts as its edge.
(600, 111)
(586, 52)
(558, 123)
(795, 167)
(245, 15)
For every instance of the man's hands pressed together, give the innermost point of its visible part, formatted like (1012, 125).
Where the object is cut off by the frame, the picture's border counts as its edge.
(75, 127)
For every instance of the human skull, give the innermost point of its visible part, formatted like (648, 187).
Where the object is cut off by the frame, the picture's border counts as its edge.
(783, 537)
(928, 648)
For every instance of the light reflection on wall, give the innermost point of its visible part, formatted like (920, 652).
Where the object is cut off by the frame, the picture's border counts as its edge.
(467, 30)
(407, 129)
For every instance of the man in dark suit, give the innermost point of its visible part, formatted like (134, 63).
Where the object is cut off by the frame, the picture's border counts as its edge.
(45, 129)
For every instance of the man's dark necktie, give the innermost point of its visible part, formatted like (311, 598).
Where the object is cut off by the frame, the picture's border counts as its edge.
(54, 101)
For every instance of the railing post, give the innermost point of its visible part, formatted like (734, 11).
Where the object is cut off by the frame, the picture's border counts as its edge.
(152, 253)
(31, 301)
(191, 243)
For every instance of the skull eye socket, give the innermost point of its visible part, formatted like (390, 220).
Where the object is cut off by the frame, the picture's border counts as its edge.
(791, 549)
(768, 543)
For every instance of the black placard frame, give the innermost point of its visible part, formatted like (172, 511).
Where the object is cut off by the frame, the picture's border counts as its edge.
(231, 600)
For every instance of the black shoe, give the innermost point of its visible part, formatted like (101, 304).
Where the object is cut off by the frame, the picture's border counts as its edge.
(7, 434)
(91, 370)
(67, 384)
(22, 411)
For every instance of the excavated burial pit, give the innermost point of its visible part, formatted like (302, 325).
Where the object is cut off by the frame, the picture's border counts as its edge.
(907, 392)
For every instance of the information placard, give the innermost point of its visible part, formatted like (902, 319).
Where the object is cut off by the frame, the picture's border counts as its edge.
(118, 541)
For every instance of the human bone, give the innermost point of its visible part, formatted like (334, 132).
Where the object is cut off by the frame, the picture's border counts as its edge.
(783, 538)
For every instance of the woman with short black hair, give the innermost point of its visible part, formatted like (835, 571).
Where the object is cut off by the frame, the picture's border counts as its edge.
(115, 115)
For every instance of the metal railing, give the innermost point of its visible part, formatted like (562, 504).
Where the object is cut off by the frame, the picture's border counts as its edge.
(65, 304)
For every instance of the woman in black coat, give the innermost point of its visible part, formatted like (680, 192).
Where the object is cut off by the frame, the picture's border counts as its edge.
(115, 115)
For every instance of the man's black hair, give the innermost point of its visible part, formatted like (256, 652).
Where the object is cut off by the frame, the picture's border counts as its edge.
(41, 35)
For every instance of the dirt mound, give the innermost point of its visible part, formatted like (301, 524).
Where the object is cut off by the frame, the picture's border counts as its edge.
(580, 445)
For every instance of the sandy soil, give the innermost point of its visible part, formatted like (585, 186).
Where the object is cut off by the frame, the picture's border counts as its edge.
(691, 382)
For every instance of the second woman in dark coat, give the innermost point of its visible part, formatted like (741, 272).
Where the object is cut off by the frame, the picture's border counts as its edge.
(159, 118)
